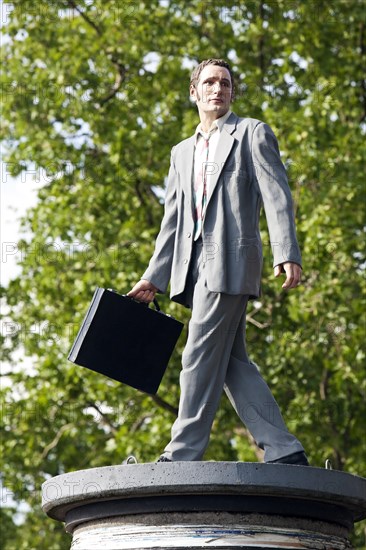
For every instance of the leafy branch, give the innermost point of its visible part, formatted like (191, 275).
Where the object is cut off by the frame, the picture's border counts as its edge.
(87, 19)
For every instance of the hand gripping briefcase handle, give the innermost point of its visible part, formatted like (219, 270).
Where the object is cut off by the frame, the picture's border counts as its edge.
(126, 341)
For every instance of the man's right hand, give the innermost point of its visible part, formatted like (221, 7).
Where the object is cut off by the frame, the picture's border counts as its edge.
(143, 291)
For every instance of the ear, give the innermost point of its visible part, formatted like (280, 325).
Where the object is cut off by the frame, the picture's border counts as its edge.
(193, 92)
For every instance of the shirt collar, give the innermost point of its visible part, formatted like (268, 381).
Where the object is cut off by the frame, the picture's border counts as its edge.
(218, 123)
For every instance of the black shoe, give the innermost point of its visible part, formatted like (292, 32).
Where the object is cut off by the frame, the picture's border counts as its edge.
(298, 459)
(163, 459)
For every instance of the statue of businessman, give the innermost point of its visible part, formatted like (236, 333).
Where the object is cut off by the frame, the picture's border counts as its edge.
(209, 248)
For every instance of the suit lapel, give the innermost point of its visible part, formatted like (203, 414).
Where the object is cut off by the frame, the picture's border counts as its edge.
(224, 146)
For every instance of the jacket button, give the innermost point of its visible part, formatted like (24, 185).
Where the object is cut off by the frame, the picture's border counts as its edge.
(185, 262)
(189, 235)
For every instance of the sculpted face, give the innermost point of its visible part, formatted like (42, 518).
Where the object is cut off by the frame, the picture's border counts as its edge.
(213, 92)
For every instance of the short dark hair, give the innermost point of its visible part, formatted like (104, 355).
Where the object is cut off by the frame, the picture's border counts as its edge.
(195, 76)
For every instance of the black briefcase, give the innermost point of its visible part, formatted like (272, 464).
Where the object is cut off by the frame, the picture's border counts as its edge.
(126, 340)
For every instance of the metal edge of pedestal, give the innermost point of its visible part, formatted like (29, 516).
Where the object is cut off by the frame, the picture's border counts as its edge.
(191, 504)
(144, 482)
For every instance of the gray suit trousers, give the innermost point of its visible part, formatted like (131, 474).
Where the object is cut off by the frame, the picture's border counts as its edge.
(214, 359)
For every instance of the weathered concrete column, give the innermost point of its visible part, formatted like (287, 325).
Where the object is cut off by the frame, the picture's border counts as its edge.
(206, 505)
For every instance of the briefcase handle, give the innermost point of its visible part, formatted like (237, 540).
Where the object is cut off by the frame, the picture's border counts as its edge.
(155, 302)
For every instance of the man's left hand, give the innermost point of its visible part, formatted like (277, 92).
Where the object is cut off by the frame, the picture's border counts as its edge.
(293, 274)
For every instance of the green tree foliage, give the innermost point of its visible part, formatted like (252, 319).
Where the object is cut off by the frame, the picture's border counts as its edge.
(94, 94)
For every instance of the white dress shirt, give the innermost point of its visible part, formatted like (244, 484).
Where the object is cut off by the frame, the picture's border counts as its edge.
(211, 167)
(214, 139)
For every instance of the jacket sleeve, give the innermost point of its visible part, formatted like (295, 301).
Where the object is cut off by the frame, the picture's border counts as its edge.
(271, 177)
(160, 265)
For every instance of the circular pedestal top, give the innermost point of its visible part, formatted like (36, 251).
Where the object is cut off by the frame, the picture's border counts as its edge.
(129, 489)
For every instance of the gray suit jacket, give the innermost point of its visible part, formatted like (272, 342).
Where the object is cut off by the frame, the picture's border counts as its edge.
(248, 173)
